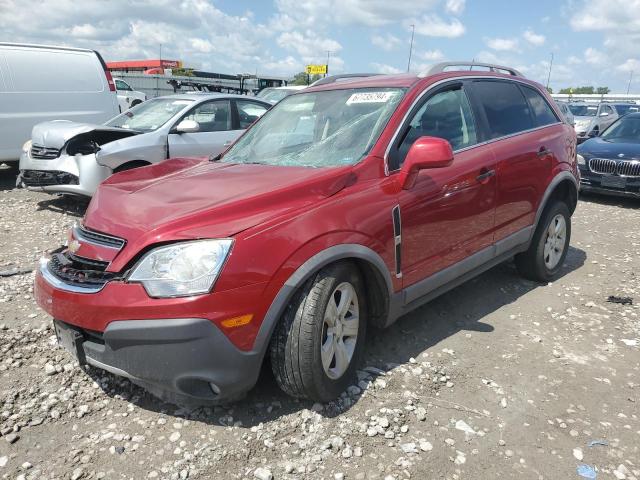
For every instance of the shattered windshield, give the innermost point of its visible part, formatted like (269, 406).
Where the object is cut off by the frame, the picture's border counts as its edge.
(320, 129)
(149, 115)
(275, 95)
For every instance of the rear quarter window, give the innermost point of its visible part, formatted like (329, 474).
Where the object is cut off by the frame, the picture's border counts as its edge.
(505, 108)
(43, 70)
(542, 111)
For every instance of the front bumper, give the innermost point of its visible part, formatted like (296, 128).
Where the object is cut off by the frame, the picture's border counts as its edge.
(185, 361)
(176, 348)
(77, 175)
(593, 182)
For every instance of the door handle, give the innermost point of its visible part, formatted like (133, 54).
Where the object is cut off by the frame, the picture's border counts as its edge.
(485, 175)
(543, 152)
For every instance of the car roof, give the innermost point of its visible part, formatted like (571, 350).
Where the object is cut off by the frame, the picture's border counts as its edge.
(46, 47)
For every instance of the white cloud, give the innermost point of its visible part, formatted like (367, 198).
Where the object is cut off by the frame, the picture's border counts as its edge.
(630, 65)
(573, 60)
(431, 55)
(386, 42)
(455, 7)
(502, 44)
(433, 25)
(307, 44)
(383, 68)
(534, 38)
(372, 13)
(595, 57)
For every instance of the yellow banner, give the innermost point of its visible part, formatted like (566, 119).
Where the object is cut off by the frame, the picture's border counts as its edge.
(317, 69)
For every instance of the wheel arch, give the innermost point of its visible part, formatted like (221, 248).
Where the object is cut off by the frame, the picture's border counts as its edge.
(375, 275)
(564, 187)
(131, 164)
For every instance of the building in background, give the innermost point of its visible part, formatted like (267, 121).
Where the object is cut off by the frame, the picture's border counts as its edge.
(151, 66)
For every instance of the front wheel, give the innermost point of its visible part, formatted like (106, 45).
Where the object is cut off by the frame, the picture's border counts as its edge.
(549, 246)
(319, 341)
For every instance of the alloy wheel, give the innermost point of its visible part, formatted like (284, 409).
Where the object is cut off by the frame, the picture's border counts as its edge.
(340, 330)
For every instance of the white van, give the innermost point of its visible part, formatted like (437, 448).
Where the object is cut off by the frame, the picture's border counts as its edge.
(40, 83)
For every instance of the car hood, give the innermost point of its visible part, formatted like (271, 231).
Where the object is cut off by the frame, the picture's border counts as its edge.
(583, 118)
(56, 133)
(195, 198)
(618, 148)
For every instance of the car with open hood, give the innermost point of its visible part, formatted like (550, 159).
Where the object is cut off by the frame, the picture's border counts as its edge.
(610, 162)
(73, 158)
(344, 207)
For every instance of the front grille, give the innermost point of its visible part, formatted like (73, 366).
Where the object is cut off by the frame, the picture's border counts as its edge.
(45, 178)
(44, 153)
(602, 165)
(629, 169)
(80, 271)
(89, 236)
(607, 166)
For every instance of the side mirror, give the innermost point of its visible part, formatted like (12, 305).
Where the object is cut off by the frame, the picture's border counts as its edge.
(426, 152)
(188, 126)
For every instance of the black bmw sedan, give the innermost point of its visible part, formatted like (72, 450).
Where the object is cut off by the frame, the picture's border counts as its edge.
(610, 163)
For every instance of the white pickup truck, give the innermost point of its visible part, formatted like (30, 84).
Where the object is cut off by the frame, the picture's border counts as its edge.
(127, 96)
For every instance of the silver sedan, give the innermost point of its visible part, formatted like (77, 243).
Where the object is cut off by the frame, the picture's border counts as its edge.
(73, 158)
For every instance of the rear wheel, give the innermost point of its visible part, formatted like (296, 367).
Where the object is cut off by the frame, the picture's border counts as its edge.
(320, 339)
(549, 246)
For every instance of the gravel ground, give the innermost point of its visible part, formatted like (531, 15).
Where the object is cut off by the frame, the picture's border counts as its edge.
(500, 378)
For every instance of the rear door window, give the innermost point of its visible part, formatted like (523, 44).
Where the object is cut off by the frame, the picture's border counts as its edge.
(542, 112)
(505, 108)
(249, 112)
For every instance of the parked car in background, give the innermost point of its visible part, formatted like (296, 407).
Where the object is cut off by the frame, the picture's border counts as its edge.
(274, 94)
(591, 119)
(73, 158)
(343, 208)
(127, 96)
(610, 163)
(566, 112)
(39, 83)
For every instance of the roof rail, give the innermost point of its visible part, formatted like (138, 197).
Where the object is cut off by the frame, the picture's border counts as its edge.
(446, 66)
(342, 77)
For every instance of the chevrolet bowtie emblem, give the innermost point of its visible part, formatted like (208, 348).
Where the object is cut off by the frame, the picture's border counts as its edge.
(74, 246)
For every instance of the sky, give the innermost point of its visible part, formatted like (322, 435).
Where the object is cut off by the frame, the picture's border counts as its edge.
(593, 42)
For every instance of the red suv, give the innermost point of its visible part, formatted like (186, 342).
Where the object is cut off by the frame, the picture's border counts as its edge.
(344, 207)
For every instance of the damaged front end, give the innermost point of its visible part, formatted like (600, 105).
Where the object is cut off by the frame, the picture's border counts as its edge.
(61, 157)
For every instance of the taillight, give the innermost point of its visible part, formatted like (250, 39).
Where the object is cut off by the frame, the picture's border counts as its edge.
(112, 85)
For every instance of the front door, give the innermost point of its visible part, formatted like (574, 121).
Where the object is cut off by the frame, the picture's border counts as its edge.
(448, 214)
(215, 132)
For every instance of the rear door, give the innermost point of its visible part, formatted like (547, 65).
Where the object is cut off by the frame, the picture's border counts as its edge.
(448, 214)
(525, 135)
(216, 131)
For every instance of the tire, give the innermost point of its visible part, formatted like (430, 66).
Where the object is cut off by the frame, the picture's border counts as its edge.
(549, 247)
(298, 364)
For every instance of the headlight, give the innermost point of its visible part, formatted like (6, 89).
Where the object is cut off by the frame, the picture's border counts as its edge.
(580, 160)
(26, 146)
(181, 269)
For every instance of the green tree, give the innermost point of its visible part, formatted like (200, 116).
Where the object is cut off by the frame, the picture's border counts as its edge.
(580, 90)
(303, 79)
(549, 89)
(603, 90)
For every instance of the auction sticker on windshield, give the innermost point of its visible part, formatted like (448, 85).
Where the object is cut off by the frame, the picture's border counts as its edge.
(370, 97)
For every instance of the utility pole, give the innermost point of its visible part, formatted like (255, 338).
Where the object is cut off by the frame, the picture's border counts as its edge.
(413, 31)
(629, 84)
(328, 55)
(158, 76)
(550, 66)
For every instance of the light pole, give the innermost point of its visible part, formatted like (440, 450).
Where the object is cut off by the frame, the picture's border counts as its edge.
(413, 31)
(550, 66)
(629, 84)
(328, 55)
